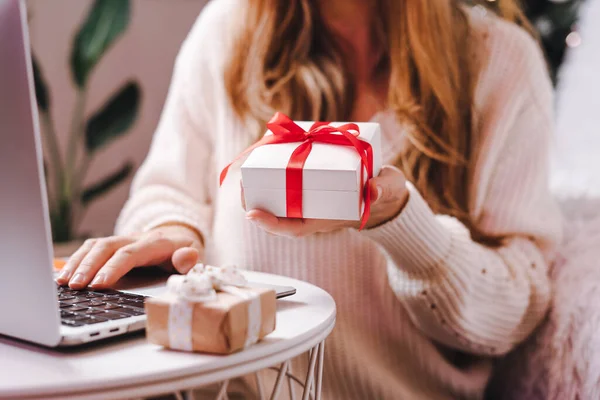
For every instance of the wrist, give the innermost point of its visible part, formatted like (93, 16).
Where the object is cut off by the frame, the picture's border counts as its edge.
(402, 201)
(395, 208)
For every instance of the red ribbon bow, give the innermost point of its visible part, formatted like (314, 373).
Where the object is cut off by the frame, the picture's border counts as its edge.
(287, 131)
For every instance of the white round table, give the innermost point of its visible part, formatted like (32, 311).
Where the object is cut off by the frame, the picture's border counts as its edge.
(129, 367)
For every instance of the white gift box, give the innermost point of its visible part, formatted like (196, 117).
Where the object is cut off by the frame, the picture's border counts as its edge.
(331, 176)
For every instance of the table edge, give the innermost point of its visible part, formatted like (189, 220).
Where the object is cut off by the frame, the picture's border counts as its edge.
(193, 380)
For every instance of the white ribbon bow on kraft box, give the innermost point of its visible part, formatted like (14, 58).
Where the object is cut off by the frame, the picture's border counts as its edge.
(200, 285)
(199, 303)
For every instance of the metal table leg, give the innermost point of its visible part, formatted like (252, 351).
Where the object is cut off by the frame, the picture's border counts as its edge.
(312, 385)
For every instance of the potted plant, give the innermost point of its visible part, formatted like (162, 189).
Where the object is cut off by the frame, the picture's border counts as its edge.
(67, 168)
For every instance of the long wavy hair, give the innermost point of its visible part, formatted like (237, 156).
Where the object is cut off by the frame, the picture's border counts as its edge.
(284, 58)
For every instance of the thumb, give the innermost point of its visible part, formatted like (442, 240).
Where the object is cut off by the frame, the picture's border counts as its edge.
(388, 185)
(184, 259)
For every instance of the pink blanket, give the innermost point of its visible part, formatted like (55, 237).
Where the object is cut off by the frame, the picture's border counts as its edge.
(561, 361)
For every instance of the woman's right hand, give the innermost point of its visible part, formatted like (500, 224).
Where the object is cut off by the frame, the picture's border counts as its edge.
(100, 263)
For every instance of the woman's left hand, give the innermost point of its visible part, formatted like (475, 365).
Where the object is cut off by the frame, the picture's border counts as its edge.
(388, 197)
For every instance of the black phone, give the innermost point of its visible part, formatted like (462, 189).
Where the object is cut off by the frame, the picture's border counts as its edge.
(281, 291)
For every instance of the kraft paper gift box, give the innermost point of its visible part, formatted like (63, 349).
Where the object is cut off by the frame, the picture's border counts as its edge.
(226, 322)
(333, 176)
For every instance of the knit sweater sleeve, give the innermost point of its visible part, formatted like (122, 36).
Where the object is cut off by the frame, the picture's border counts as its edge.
(173, 184)
(460, 293)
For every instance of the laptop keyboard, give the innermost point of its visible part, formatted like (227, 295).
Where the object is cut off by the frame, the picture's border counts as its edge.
(87, 307)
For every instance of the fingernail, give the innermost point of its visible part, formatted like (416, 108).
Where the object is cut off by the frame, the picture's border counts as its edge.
(63, 276)
(77, 279)
(379, 192)
(185, 266)
(98, 280)
(188, 267)
(256, 222)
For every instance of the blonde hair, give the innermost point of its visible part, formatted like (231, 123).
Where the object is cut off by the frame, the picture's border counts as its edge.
(285, 59)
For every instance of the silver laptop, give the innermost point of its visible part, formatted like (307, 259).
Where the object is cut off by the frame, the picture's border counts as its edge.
(32, 307)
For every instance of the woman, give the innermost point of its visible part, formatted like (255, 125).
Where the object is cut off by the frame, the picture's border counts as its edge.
(452, 270)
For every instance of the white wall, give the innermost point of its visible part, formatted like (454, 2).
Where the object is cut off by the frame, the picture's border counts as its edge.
(146, 52)
(577, 165)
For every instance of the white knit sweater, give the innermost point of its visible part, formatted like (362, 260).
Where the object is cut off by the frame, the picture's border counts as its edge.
(422, 308)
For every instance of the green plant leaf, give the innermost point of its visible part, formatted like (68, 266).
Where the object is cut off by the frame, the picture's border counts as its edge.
(45, 170)
(60, 219)
(96, 190)
(41, 89)
(114, 119)
(106, 21)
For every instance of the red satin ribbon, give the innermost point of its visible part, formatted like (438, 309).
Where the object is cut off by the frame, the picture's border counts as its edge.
(287, 131)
